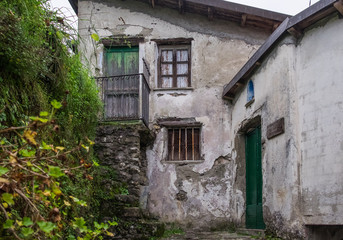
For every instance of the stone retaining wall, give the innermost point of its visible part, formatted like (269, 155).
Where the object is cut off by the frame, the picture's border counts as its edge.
(120, 148)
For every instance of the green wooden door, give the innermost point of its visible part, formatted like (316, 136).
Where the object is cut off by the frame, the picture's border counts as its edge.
(121, 61)
(254, 214)
(121, 88)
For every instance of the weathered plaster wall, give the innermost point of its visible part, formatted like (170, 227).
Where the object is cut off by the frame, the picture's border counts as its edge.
(132, 18)
(201, 194)
(302, 168)
(320, 96)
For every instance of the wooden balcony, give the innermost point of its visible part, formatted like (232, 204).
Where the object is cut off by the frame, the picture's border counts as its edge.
(126, 97)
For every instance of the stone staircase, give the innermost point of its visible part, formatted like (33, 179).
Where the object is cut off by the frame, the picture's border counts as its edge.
(240, 234)
(251, 232)
(134, 223)
(192, 235)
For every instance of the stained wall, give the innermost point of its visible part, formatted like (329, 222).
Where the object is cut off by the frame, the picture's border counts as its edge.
(200, 194)
(298, 81)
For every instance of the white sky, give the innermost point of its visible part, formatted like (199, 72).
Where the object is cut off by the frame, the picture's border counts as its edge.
(290, 7)
(64, 7)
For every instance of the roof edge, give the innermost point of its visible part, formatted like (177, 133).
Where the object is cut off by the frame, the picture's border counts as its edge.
(324, 5)
(236, 7)
(74, 5)
(258, 54)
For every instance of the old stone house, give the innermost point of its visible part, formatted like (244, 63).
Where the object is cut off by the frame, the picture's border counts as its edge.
(244, 104)
(292, 89)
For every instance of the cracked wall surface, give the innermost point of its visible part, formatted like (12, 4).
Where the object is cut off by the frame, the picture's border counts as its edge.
(194, 194)
(298, 81)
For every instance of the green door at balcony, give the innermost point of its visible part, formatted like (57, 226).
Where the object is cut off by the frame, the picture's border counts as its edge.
(121, 61)
(254, 214)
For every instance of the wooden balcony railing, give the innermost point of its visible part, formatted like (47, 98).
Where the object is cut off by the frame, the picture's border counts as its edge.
(126, 97)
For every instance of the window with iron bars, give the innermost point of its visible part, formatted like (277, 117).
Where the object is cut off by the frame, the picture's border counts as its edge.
(184, 144)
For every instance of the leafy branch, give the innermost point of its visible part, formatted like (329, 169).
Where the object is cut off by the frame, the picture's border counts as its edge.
(32, 198)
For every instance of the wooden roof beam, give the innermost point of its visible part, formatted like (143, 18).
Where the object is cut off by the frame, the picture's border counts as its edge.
(229, 97)
(210, 13)
(181, 6)
(238, 85)
(235, 7)
(244, 19)
(152, 3)
(275, 26)
(339, 6)
(295, 32)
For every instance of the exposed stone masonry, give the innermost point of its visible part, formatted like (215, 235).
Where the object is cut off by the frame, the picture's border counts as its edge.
(120, 148)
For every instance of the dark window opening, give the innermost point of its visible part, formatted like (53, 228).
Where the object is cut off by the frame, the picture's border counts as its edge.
(184, 144)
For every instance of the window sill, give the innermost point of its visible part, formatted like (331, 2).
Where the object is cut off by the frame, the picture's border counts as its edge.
(250, 102)
(183, 161)
(173, 89)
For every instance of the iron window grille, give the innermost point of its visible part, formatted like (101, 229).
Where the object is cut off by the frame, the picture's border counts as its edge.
(184, 144)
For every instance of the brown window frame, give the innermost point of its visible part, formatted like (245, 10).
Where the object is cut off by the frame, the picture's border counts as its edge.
(184, 144)
(174, 63)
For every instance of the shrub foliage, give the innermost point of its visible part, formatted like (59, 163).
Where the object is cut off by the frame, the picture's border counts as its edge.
(48, 113)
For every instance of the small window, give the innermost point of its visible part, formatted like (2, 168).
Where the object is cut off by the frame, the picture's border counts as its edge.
(250, 91)
(174, 66)
(184, 144)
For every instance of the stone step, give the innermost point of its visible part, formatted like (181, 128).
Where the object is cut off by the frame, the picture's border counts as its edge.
(135, 212)
(139, 230)
(251, 232)
(132, 212)
(208, 236)
(126, 199)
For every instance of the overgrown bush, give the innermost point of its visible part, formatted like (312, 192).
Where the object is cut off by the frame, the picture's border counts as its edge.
(37, 64)
(34, 173)
(45, 160)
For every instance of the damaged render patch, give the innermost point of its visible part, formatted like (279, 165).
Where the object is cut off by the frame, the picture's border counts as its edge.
(276, 225)
(181, 196)
(206, 195)
(177, 94)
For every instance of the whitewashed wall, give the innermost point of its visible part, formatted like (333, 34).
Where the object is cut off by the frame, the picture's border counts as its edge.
(320, 94)
(302, 168)
(274, 99)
